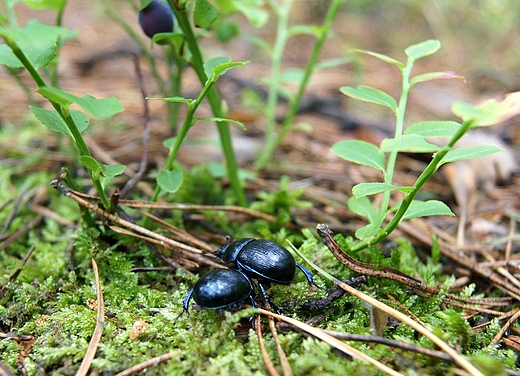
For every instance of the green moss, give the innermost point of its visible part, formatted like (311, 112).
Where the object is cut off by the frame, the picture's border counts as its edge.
(53, 299)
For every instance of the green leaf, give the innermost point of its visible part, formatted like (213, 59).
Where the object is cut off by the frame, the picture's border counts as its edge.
(435, 76)
(113, 170)
(427, 208)
(91, 164)
(433, 129)
(216, 67)
(38, 41)
(360, 152)
(98, 108)
(217, 170)
(423, 49)
(366, 232)
(370, 94)
(51, 120)
(174, 99)
(382, 57)
(170, 180)
(219, 119)
(362, 207)
(174, 39)
(211, 64)
(409, 143)
(204, 14)
(490, 112)
(98, 168)
(143, 4)
(367, 189)
(46, 4)
(470, 153)
(109, 172)
(170, 142)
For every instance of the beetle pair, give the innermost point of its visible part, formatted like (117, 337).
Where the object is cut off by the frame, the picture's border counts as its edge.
(260, 259)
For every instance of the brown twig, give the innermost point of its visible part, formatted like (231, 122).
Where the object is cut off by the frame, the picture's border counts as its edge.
(4, 370)
(383, 341)
(98, 331)
(268, 362)
(504, 328)
(180, 248)
(460, 360)
(385, 272)
(149, 363)
(177, 231)
(343, 347)
(170, 206)
(17, 272)
(18, 234)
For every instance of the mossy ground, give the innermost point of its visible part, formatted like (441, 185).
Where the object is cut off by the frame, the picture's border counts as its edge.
(54, 300)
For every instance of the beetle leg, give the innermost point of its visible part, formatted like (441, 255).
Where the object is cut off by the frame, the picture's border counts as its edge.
(186, 302)
(268, 299)
(185, 305)
(308, 275)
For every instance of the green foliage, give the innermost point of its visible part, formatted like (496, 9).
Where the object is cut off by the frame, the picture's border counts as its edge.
(413, 140)
(281, 202)
(52, 298)
(37, 40)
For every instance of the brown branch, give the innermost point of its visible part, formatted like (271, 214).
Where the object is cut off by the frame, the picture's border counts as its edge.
(98, 331)
(149, 363)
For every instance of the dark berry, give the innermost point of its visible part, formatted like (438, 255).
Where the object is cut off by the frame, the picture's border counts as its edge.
(157, 17)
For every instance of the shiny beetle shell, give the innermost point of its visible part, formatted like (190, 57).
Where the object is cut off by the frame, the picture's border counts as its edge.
(261, 259)
(221, 288)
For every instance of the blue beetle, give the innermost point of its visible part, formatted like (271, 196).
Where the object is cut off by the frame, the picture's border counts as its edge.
(221, 289)
(263, 259)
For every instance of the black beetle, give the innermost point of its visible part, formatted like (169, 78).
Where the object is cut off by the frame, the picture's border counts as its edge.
(156, 17)
(263, 260)
(221, 289)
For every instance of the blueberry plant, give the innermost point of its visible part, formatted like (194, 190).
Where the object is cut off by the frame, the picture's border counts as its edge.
(175, 27)
(413, 139)
(171, 25)
(36, 46)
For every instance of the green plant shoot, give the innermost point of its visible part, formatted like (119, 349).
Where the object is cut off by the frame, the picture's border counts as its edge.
(411, 140)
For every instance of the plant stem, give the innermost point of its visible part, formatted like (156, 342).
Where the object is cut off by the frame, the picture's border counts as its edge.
(273, 143)
(214, 101)
(188, 123)
(64, 114)
(399, 128)
(175, 85)
(282, 36)
(432, 167)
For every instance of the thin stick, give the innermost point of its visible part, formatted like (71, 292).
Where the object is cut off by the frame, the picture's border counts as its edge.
(386, 272)
(343, 347)
(17, 272)
(182, 249)
(98, 331)
(506, 326)
(459, 359)
(268, 362)
(149, 363)
(170, 206)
